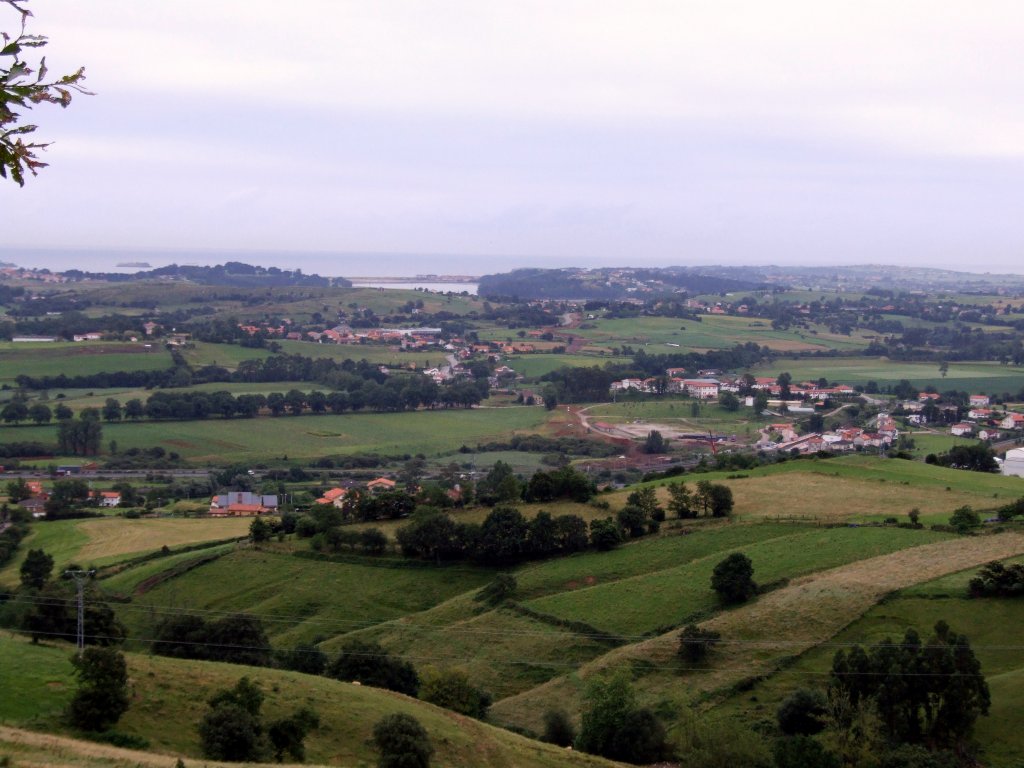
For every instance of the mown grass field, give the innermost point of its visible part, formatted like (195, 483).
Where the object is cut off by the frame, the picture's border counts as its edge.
(103, 540)
(973, 377)
(230, 355)
(533, 366)
(305, 437)
(854, 488)
(169, 697)
(713, 332)
(79, 358)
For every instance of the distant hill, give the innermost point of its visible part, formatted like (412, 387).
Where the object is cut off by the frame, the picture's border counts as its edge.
(231, 273)
(609, 283)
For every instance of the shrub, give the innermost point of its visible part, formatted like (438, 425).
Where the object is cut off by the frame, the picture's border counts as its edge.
(695, 643)
(964, 520)
(102, 695)
(452, 690)
(558, 728)
(802, 713)
(733, 579)
(370, 664)
(402, 742)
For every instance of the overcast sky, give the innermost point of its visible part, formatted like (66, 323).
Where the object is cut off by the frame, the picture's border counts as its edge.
(585, 133)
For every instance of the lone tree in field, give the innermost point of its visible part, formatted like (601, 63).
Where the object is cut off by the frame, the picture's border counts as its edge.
(23, 84)
(36, 570)
(654, 443)
(102, 695)
(733, 579)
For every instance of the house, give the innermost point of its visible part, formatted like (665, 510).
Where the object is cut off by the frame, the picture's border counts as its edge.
(977, 401)
(36, 505)
(1013, 464)
(380, 485)
(107, 498)
(702, 389)
(962, 429)
(1013, 421)
(980, 413)
(87, 336)
(242, 503)
(989, 434)
(335, 497)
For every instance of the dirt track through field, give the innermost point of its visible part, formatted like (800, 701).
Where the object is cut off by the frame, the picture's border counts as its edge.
(786, 622)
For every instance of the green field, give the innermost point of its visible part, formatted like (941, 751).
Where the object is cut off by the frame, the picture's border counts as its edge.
(973, 377)
(79, 358)
(532, 366)
(306, 437)
(230, 355)
(301, 600)
(665, 334)
(675, 594)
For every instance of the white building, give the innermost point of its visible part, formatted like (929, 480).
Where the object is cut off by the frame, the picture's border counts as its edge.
(1014, 462)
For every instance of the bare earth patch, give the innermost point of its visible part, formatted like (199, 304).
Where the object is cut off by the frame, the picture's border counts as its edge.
(786, 622)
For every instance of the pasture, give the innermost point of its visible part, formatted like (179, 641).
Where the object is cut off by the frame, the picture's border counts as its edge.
(667, 334)
(677, 594)
(217, 441)
(102, 540)
(300, 599)
(79, 358)
(170, 695)
(973, 377)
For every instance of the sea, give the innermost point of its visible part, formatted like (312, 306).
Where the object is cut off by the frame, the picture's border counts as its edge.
(430, 271)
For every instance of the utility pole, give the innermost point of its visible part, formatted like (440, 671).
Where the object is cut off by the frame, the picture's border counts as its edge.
(80, 578)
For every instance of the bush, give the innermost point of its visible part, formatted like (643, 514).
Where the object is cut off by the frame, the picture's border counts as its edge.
(964, 520)
(303, 658)
(733, 579)
(802, 713)
(102, 695)
(452, 690)
(402, 742)
(370, 664)
(558, 728)
(802, 752)
(230, 732)
(695, 643)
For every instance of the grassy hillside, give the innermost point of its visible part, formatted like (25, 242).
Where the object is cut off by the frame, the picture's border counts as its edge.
(102, 540)
(169, 697)
(764, 637)
(300, 600)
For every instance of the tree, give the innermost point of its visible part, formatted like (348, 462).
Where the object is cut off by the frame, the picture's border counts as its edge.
(654, 443)
(259, 530)
(605, 534)
(733, 579)
(303, 658)
(36, 569)
(802, 713)
(62, 412)
(368, 663)
(680, 502)
(21, 87)
(65, 497)
(713, 499)
(613, 726)
(40, 413)
(929, 694)
(289, 734)
(558, 728)
(102, 695)
(230, 732)
(452, 689)
(18, 490)
(802, 752)
(112, 410)
(695, 643)
(964, 520)
(402, 742)
(729, 401)
(14, 412)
